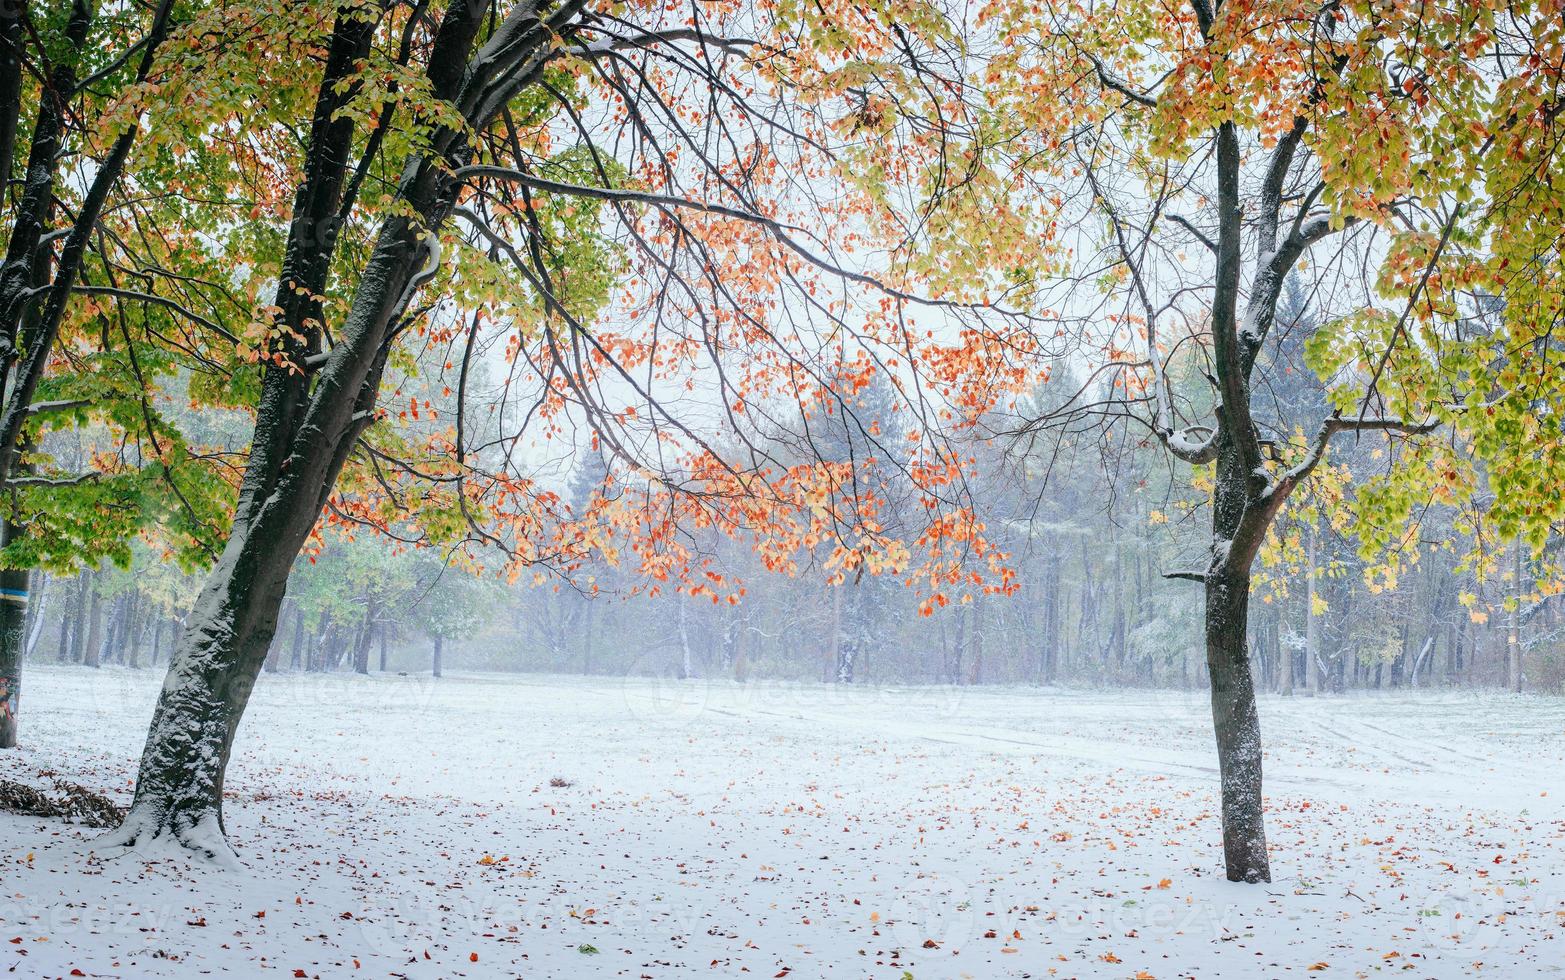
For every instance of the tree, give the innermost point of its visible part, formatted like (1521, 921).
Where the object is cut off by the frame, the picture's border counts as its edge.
(1216, 148)
(30, 271)
(82, 77)
(450, 606)
(459, 113)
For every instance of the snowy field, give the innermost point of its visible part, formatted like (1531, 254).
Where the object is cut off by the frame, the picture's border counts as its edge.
(398, 826)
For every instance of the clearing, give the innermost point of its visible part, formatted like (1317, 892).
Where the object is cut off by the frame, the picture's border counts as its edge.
(401, 826)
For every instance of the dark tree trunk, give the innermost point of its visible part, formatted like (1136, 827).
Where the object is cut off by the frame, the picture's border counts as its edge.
(440, 643)
(1236, 723)
(91, 650)
(1238, 728)
(111, 648)
(385, 628)
(11, 42)
(295, 657)
(13, 640)
(361, 646)
(133, 631)
(62, 653)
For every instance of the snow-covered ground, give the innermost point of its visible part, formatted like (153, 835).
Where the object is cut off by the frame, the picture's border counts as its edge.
(399, 826)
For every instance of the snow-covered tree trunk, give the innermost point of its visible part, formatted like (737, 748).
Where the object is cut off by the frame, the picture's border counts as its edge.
(179, 787)
(1237, 725)
(1235, 719)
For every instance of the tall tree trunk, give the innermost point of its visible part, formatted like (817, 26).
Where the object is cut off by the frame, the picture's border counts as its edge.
(977, 674)
(1311, 628)
(687, 668)
(384, 630)
(13, 639)
(589, 636)
(91, 651)
(37, 605)
(1238, 727)
(361, 648)
(1048, 654)
(296, 653)
(849, 632)
(79, 618)
(133, 631)
(112, 647)
(440, 643)
(959, 651)
(1513, 639)
(1285, 659)
(62, 652)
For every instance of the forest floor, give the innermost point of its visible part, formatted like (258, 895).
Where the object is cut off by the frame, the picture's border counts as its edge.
(494, 826)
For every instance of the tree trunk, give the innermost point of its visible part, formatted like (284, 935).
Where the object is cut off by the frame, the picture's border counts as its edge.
(134, 627)
(91, 650)
(361, 647)
(1238, 727)
(977, 673)
(1285, 660)
(296, 654)
(686, 664)
(110, 647)
(1513, 638)
(1311, 629)
(959, 652)
(79, 619)
(62, 652)
(38, 604)
(13, 638)
(440, 643)
(179, 787)
(384, 630)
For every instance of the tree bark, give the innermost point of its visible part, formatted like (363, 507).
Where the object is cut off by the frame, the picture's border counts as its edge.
(78, 652)
(434, 666)
(13, 639)
(296, 652)
(1238, 727)
(361, 649)
(92, 651)
(110, 647)
(1311, 629)
(1513, 638)
(134, 628)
